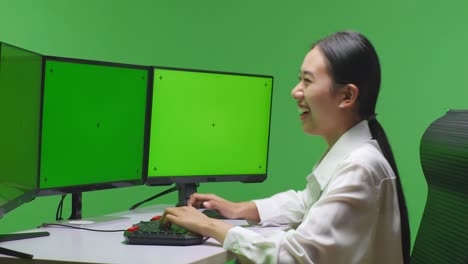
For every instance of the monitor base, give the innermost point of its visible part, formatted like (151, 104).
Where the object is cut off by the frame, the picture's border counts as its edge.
(18, 236)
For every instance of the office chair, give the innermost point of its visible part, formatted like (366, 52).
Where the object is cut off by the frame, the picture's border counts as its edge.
(443, 233)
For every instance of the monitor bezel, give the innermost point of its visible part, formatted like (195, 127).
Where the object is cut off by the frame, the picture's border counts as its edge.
(61, 190)
(191, 179)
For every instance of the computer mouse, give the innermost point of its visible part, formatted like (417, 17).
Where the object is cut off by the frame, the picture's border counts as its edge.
(213, 214)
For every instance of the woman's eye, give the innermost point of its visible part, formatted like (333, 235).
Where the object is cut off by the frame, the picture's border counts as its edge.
(305, 80)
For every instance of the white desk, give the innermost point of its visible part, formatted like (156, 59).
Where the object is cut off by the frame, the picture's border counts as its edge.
(74, 245)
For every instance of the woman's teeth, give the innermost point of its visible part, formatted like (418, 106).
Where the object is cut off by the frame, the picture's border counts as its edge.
(303, 110)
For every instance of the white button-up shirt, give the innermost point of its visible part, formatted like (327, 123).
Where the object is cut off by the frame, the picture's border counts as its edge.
(348, 213)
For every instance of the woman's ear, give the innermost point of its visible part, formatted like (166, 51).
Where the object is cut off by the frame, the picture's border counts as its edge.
(349, 94)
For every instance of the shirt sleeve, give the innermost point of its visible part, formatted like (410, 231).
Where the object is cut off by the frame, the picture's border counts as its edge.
(286, 208)
(337, 229)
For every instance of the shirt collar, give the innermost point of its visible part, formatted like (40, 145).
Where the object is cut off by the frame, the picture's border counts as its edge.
(351, 139)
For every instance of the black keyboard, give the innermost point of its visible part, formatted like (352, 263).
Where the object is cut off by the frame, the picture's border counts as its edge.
(153, 233)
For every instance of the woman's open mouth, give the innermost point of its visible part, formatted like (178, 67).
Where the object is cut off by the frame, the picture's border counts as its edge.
(304, 111)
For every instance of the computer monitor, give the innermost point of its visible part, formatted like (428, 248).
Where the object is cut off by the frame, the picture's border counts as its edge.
(93, 126)
(20, 100)
(207, 126)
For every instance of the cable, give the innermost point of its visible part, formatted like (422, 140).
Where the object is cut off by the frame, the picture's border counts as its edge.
(76, 227)
(58, 214)
(154, 197)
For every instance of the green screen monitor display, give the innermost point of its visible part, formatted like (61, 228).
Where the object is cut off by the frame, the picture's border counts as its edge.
(93, 125)
(208, 127)
(20, 102)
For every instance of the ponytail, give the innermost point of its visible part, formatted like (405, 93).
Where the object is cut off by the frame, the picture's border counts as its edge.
(352, 59)
(378, 134)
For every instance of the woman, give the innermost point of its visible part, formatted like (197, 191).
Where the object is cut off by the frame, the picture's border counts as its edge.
(352, 209)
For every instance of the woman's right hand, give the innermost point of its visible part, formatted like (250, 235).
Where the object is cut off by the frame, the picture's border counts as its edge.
(228, 209)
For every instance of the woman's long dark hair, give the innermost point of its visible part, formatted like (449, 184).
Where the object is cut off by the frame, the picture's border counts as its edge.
(353, 60)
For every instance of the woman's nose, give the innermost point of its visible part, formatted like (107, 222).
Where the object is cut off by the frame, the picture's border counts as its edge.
(297, 93)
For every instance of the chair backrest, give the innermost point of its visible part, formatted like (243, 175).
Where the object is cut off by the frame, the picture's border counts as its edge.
(443, 233)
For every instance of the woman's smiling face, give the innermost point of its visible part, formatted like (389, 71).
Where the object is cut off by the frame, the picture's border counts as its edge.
(316, 95)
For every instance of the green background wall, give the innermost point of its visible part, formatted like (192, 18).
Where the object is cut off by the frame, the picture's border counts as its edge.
(422, 46)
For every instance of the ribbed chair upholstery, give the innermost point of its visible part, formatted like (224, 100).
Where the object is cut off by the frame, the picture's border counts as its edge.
(443, 233)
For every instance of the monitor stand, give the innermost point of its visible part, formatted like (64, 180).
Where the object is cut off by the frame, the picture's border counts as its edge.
(77, 205)
(11, 237)
(76, 213)
(185, 190)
